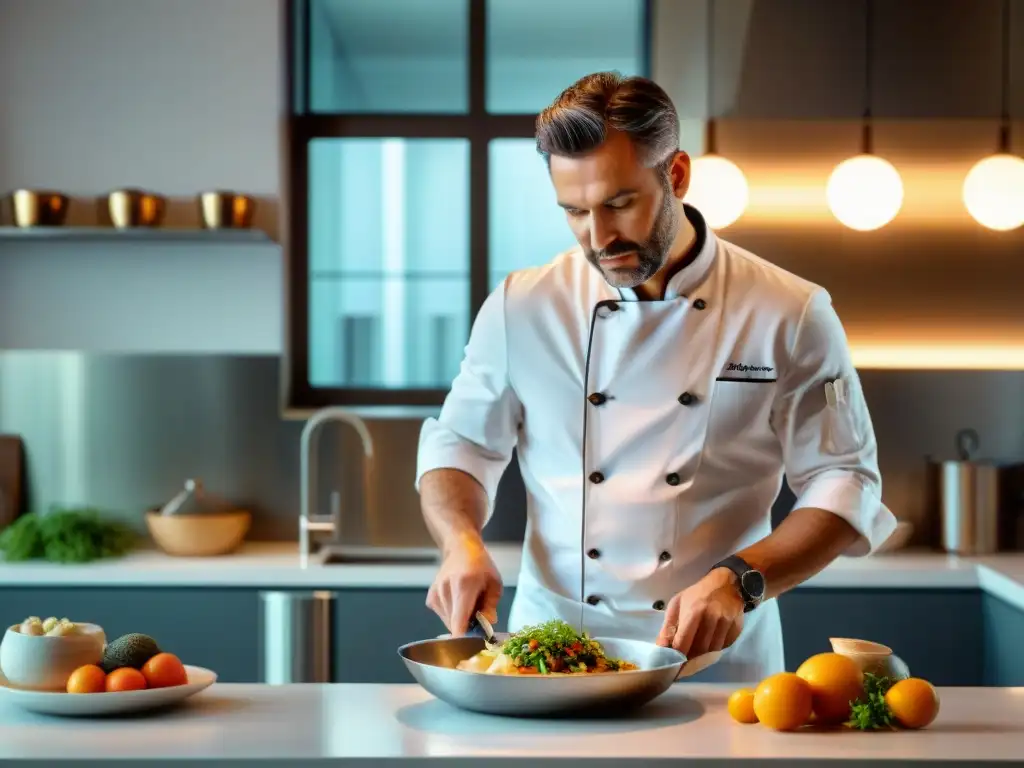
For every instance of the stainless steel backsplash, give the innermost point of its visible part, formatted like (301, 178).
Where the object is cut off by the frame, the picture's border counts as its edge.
(122, 432)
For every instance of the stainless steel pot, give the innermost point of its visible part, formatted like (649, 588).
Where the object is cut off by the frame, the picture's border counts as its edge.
(968, 496)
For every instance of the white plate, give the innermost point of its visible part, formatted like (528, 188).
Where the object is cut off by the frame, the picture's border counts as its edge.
(93, 704)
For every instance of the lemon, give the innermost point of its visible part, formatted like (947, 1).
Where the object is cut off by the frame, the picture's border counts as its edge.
(741, 706)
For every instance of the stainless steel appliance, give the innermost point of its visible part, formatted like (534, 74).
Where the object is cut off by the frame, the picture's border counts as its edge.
(297, 640)
(968, 496)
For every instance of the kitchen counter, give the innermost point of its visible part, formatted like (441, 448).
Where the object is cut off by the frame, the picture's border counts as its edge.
(355, 725)
(276, 565)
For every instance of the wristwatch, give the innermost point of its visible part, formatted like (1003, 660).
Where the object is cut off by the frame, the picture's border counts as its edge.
(750, 582)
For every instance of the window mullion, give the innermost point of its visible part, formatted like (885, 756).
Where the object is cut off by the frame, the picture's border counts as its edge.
(479, 223)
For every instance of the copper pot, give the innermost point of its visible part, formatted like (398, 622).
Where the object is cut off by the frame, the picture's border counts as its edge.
(135, 208)
(38, 208)
(226, 210)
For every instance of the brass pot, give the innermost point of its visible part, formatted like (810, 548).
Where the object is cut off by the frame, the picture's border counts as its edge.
(38, 208)
(135, 208)
(226, 210)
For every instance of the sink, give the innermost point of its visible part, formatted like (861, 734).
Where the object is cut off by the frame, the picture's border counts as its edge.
(370, 555)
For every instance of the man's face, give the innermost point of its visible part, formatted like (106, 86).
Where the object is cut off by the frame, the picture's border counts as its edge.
(624, 215)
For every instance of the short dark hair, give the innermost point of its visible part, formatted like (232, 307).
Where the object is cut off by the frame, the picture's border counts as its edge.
(577, 121)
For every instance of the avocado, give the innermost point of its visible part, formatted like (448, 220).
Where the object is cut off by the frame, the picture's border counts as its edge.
(132, 650)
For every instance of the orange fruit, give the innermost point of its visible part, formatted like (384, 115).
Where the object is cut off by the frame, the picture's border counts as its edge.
(741, 706)
(164, 670)
(87, 679)
(783, 701)
(914, 702)
(125, 679)
(835, 681)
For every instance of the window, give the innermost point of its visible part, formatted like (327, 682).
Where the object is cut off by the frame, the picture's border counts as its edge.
(414, 184)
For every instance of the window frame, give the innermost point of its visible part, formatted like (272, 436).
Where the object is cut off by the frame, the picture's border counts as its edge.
(477, 125)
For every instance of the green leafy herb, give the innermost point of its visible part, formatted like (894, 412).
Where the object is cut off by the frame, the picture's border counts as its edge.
(65, 536)
(556, 646)
(871, 712)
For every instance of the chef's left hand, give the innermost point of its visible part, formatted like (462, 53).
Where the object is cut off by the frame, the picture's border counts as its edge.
(705, 617)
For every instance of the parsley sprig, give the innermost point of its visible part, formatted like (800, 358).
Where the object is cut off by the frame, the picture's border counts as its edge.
(871, 712)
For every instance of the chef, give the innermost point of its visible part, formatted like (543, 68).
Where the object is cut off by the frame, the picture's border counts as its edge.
(657, 383)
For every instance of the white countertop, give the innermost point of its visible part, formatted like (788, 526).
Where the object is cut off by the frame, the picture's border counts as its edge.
(276, 565)
(354, 725)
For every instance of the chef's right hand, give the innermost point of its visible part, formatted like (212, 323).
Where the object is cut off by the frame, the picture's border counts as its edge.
(467, 582)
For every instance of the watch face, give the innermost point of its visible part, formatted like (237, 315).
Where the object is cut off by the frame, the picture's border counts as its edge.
(753, 584)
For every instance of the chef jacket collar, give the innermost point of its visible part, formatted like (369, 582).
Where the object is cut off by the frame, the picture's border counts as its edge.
(695, 265)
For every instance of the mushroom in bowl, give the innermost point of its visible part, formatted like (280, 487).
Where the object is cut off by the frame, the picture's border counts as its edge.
(41, 655)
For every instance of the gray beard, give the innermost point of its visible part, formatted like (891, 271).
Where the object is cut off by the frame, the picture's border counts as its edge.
(651, 254)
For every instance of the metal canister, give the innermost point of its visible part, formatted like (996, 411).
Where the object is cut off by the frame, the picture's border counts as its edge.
(968, 497)
(298, 637)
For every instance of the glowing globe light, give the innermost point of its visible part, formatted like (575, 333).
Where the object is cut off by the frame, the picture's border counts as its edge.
(994, 192)
(865, 192)
(718, 189)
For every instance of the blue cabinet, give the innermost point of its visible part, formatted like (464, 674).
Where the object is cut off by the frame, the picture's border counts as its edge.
(1003, 661)
(922, 626)
(371, 624)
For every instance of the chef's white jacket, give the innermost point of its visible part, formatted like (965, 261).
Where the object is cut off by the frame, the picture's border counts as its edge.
(653, 436)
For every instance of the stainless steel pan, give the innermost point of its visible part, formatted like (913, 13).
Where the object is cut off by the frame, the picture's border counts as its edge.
(432, 663)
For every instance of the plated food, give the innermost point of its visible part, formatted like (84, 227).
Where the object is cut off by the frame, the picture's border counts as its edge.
(554, 648)
(43, 661)
(499, 678)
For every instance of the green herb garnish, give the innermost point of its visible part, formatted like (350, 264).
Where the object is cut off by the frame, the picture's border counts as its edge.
(556, 646)
(871, 712)
(65, 536)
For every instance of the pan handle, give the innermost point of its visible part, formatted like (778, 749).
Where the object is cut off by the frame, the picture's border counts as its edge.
(698, 664)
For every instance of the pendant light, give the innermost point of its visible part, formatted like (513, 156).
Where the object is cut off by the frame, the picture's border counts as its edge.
(865, 192)
(994, 188)
(718, 188)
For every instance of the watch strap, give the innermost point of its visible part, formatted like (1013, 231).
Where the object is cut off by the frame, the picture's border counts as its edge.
(740, 567)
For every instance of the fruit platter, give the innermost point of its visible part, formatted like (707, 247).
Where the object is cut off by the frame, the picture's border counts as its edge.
(59, 667)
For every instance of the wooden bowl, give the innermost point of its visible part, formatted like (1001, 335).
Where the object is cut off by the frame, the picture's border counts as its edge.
(199, 535)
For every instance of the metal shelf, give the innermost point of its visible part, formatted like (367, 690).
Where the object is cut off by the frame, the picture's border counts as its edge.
(136, 235)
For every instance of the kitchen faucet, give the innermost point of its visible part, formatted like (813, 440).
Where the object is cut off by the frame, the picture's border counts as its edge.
(309, 521)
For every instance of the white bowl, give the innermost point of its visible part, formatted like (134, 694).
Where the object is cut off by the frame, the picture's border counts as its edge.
(42, 663)
(871, 657)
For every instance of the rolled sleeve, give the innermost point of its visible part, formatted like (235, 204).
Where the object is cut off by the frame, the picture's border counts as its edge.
(830, 453)
(479, 421)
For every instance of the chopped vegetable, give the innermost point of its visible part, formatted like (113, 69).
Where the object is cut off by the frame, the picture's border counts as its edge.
(556, 647)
